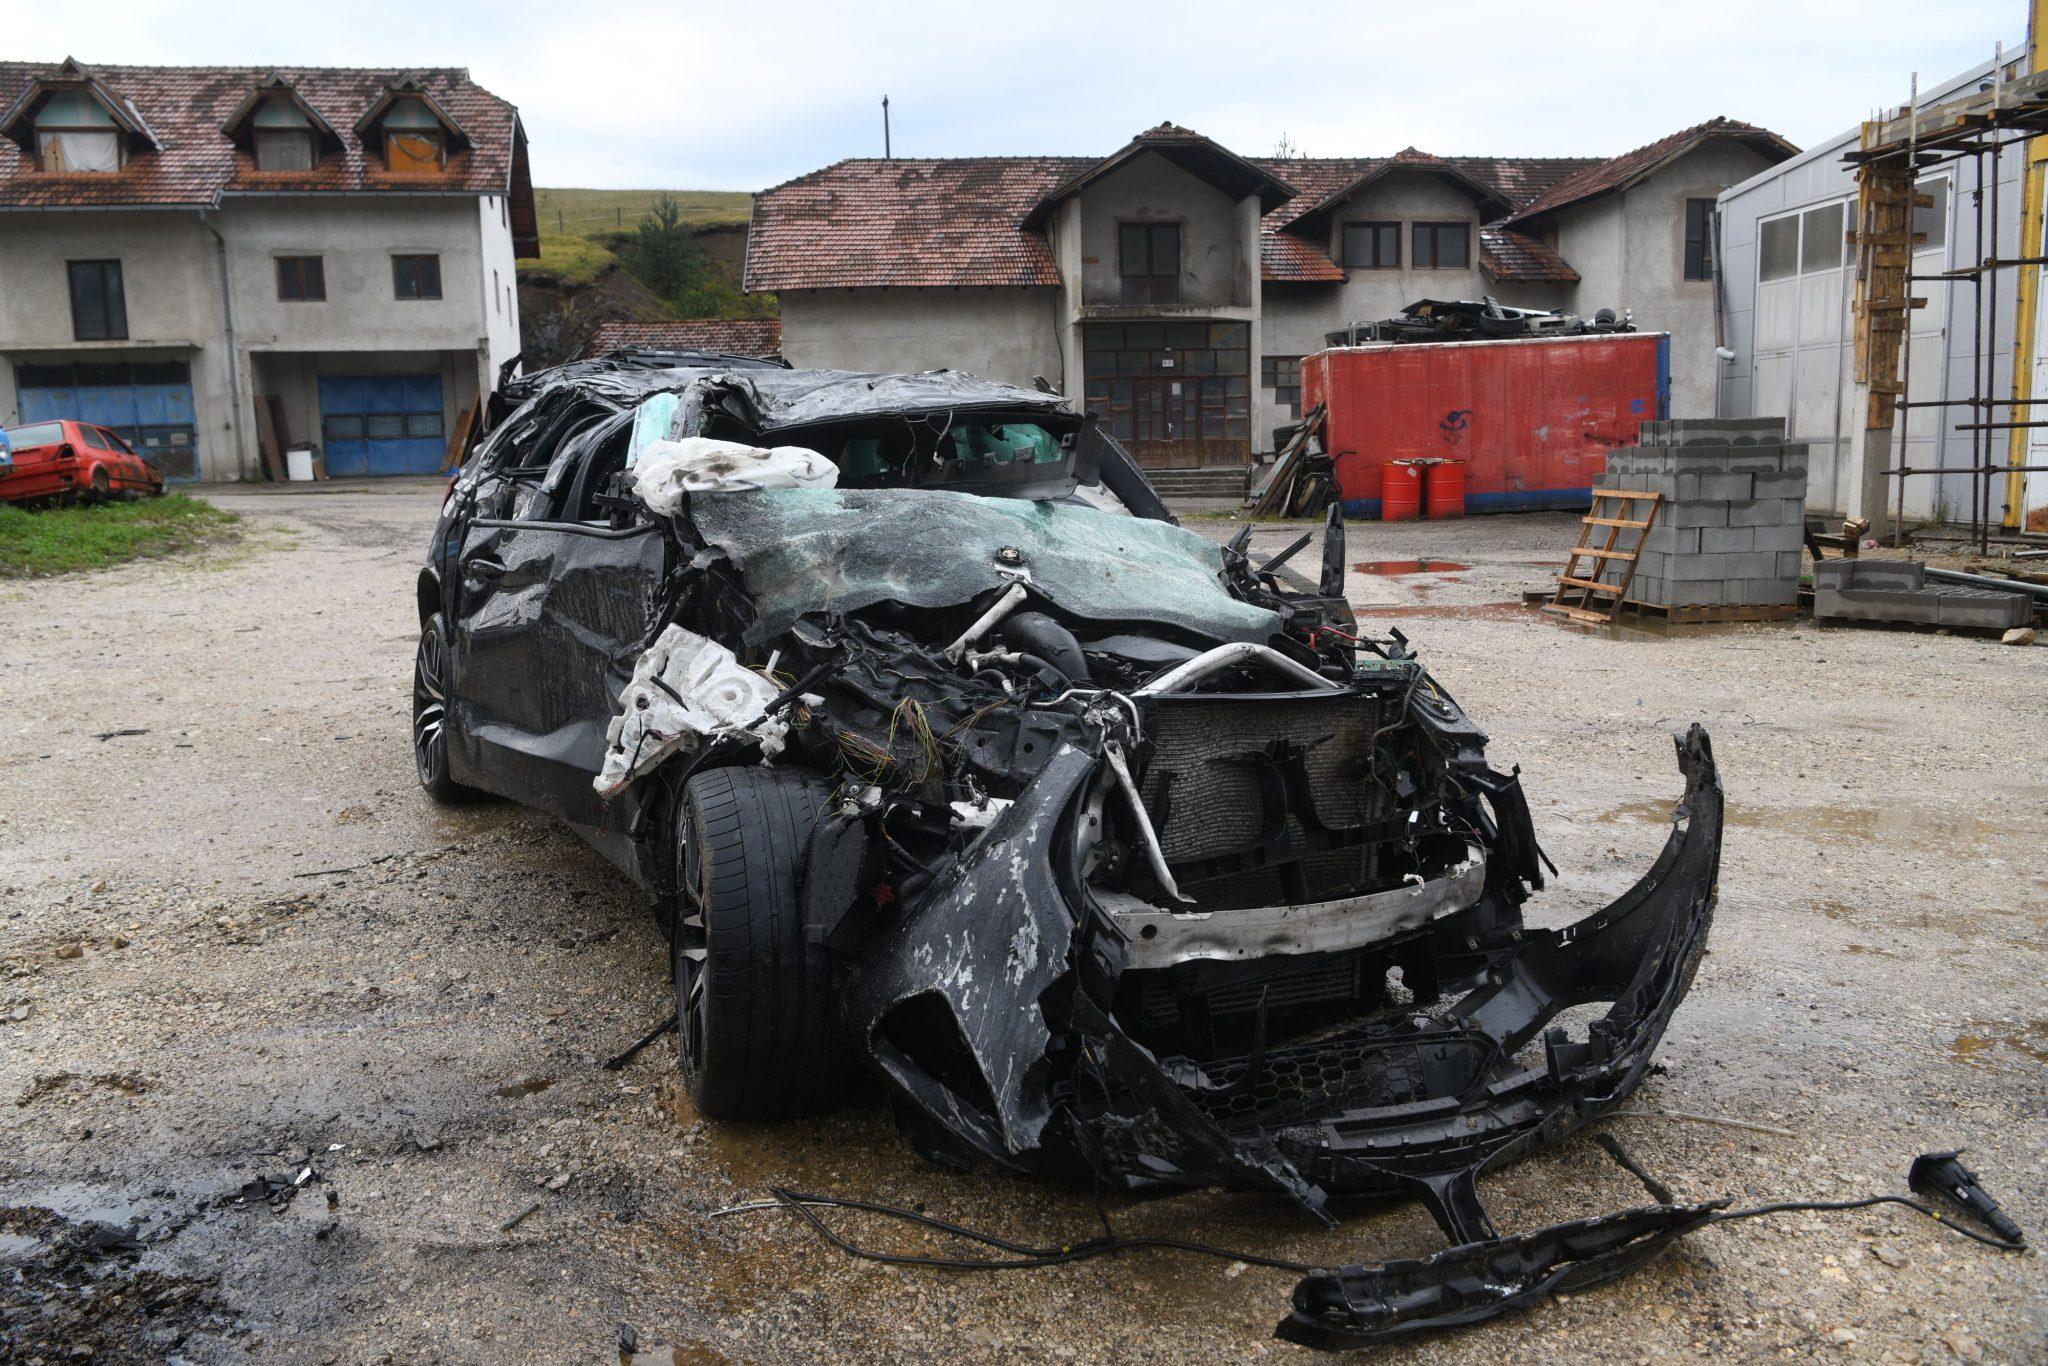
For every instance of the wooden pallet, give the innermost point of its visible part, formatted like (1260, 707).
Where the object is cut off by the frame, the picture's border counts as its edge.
(1581, 594)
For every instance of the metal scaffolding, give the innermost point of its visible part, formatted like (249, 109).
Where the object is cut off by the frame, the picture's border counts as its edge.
(1894, 155)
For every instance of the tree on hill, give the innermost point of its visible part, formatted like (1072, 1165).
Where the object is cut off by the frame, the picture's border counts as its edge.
(663, 255)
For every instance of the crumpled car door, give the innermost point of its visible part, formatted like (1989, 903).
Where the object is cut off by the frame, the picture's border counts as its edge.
(549, 619)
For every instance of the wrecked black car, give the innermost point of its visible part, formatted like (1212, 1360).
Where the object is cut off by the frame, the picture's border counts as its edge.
(944, 752)
(1487, 319)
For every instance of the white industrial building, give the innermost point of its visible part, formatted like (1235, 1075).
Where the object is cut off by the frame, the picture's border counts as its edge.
(1787, 292)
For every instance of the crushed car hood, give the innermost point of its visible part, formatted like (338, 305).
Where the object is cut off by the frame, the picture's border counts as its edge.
(840, 550)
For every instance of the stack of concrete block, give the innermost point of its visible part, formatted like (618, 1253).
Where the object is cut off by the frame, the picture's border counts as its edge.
(1896, 590)
(1733, 516)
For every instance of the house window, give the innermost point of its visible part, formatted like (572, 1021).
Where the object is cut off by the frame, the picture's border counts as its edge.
(301, 279)
(415, 143)
(1372, 246)
(416, 277)
(99, 307)
(1282, 376)
(283, 136)
(1699, 239)
(1443, 246)
(1148, 258)
(75, 135)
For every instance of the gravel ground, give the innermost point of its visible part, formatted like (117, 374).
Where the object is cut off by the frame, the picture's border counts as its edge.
(237, 944)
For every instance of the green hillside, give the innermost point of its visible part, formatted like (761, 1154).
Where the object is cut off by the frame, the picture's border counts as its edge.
(580, 213)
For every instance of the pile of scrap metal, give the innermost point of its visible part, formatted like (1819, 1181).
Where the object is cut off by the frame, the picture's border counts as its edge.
(1118, 855)
(1439, 320)
(1302, 480)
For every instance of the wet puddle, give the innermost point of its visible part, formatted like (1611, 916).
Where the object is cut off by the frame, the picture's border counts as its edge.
(1394, 569)
(1448, 611)
(1988, 1042)
(532, 1086)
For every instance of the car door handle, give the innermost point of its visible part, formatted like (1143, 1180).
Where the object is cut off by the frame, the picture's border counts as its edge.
(483, 569)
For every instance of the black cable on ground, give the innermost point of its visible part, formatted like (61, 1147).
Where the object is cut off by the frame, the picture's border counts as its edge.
(1023, 1256)
(618, 1061)
(1795, 1206)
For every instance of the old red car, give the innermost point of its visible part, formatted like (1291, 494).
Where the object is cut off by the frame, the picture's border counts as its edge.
(65, 460)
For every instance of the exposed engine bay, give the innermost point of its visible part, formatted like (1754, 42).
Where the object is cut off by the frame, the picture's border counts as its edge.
(1126, 858)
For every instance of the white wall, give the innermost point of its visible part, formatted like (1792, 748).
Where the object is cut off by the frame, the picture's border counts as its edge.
(497, 276)
(1779, 333)
(1149, 188)
(171, 282)
(1003, 334)
(170, 271)
(356, 239)
(1629, 251)
(1407, 198)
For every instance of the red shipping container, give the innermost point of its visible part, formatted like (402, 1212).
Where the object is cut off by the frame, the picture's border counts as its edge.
(1533, 420)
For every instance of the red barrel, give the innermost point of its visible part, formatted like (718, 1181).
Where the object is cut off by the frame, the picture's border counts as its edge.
(1444, 490)
(1401, 496)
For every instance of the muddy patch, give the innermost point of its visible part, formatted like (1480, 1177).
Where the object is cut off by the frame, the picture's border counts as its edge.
(1988, 1043)
(76, 1290)
(124, 1083)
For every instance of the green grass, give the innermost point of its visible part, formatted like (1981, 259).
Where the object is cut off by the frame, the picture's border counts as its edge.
(575, 224)
(68, 539)
(581, 213)
(575, 260)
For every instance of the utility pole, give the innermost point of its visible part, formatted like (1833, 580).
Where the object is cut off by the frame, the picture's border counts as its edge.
(887, 155)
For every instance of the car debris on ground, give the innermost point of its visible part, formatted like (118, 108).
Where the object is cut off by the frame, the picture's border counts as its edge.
(1487, 319)
(1117, 855)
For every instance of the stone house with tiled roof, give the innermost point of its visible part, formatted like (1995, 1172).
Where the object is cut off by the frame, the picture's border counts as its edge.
(1174, 286)
(183, 247)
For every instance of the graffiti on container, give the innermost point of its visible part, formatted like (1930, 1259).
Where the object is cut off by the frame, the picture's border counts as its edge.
(1454, 426)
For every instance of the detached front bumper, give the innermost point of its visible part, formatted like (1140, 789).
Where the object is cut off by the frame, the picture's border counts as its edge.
(1039, 1071)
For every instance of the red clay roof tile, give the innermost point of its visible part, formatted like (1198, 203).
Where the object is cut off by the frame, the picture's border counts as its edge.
(196, 162)
(869, 223)
(964, 222)
(734, 336)
(1620, 172)
(1506, 254)
(1295, 260)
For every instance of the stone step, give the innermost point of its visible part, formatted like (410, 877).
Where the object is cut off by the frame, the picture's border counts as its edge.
(1215, 483)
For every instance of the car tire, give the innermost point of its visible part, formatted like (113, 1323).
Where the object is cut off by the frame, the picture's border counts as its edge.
(430, 716)
(102, 487)
(756, 1020)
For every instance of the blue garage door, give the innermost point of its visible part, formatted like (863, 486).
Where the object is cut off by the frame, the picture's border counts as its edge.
(148, 402)
(381, 424)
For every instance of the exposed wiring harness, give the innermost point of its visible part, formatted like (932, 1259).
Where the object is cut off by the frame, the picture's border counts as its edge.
(1026, 1256)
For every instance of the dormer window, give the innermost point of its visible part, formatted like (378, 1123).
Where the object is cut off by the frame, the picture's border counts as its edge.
(415, 142)
(75, 134)
(283, 137)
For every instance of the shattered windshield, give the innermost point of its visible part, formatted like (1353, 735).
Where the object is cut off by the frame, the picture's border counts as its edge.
(808, 550)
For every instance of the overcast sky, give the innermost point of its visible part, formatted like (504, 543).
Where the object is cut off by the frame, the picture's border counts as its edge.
(743, 95)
